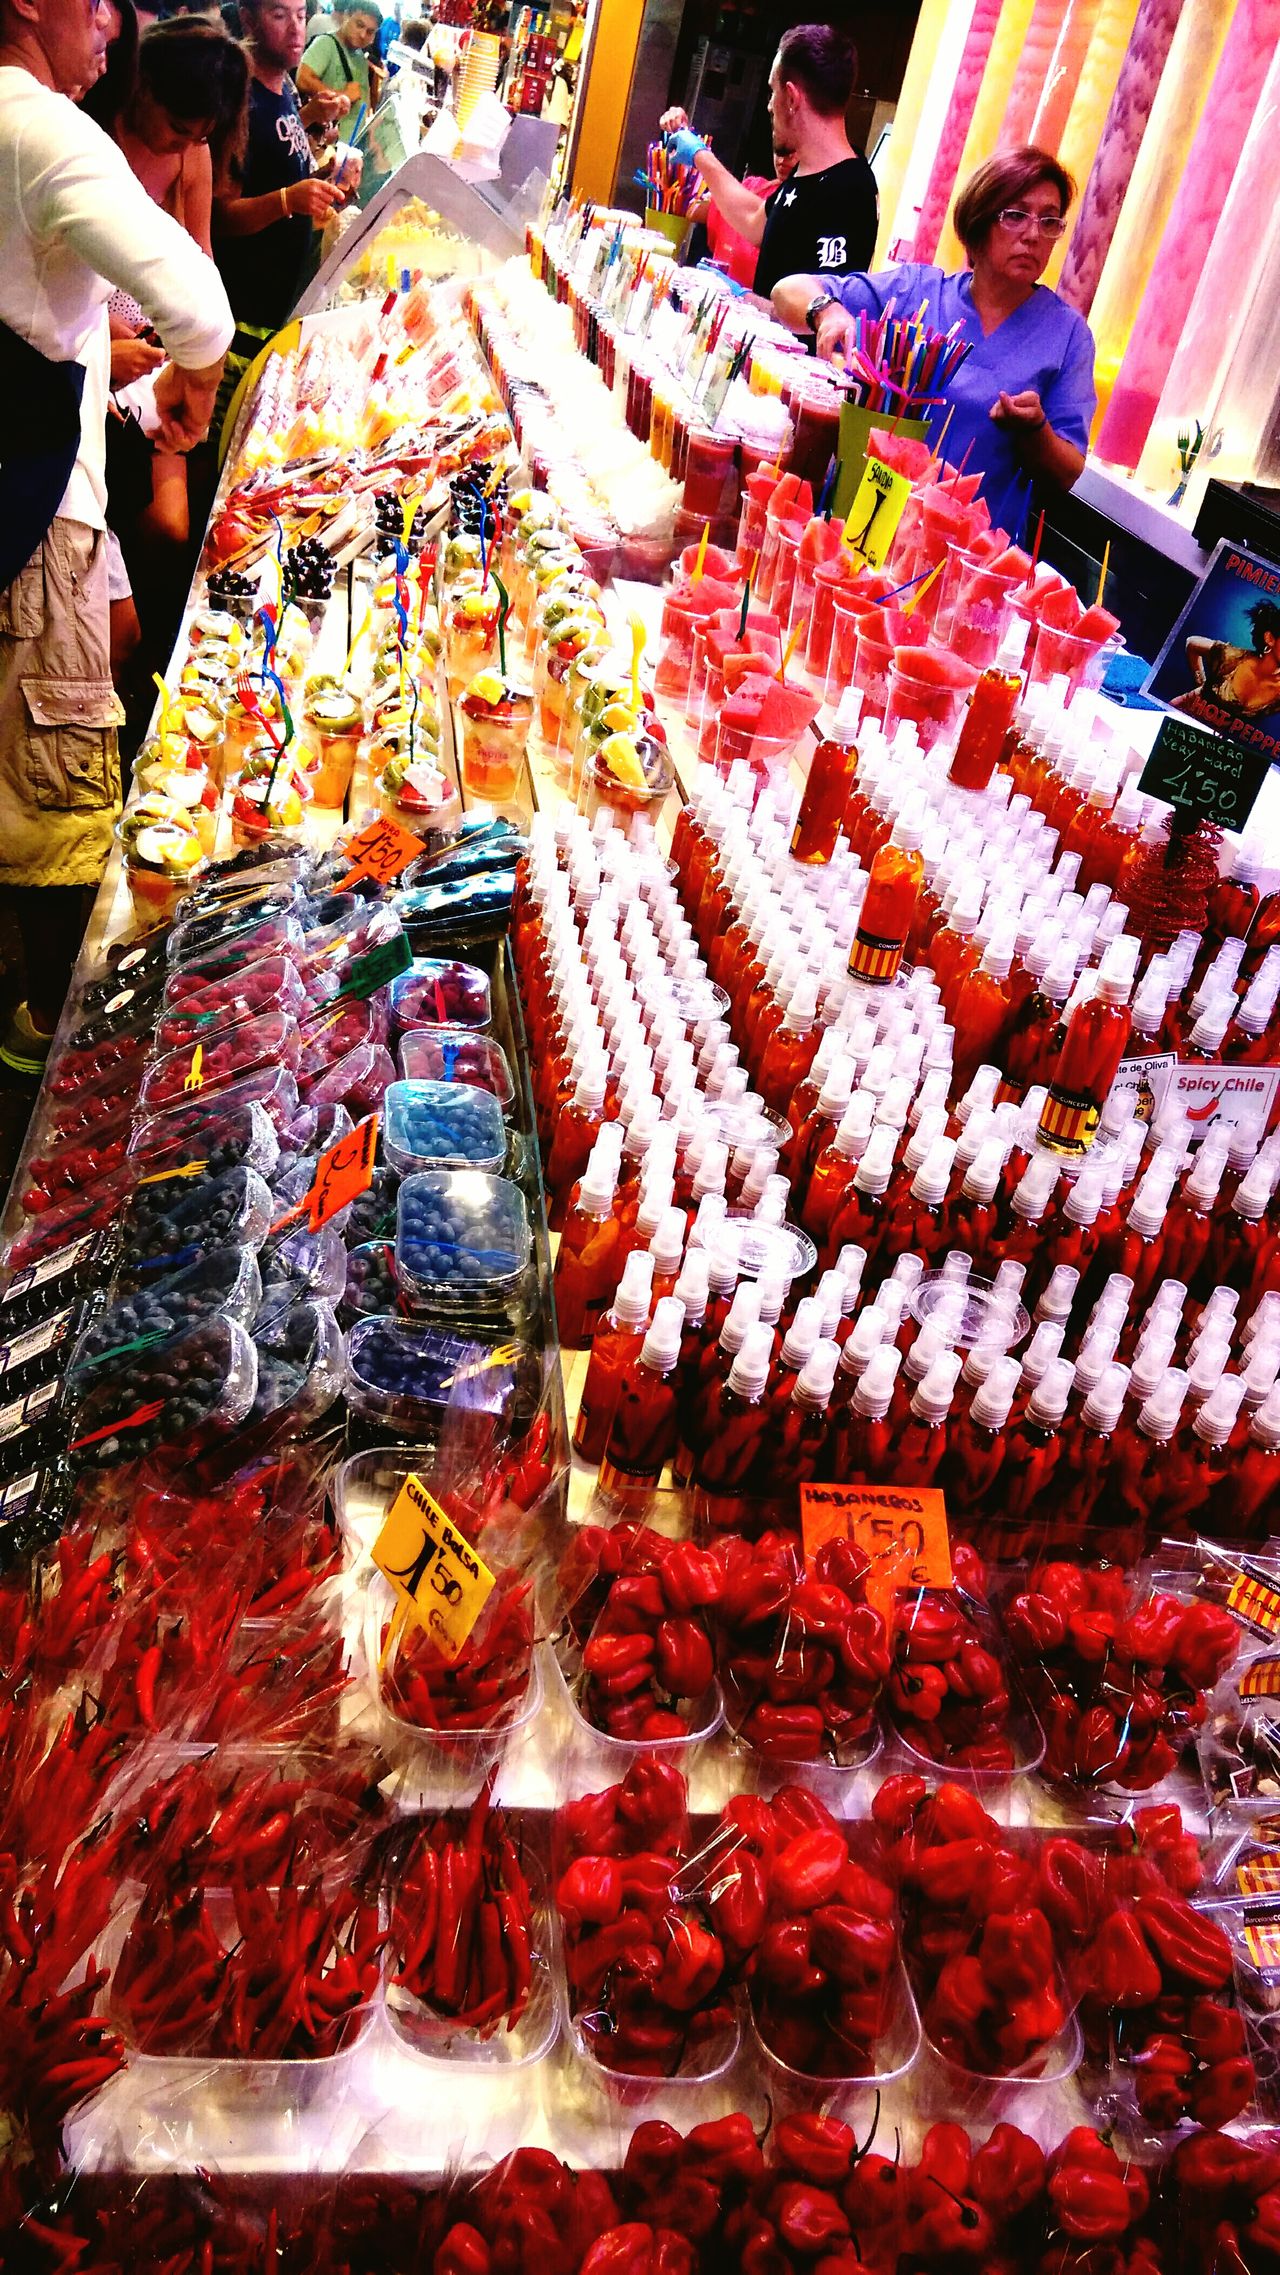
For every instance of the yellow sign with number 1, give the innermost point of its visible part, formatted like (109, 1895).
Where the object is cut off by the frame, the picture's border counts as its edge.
(877, 509)
(438, 1578)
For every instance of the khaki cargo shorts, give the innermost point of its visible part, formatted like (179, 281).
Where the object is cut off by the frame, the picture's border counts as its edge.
(59, 767)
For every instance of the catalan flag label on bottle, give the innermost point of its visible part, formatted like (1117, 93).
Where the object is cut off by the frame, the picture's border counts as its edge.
(1260, 1875)
(1260, 1680)
(1262, 1941)
(875, 962)
(1068, 1122)
(1256, 1600)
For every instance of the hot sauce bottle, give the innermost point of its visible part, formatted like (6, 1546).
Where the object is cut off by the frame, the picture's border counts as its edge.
(1141, 1449)
(642, 1434)
(616, 1343)
(916, 1222)
(701, 1389)
(589, 1260)
(577, 1127)
(1188, 1226)
(726, 1464)
(920, 1449)
(1249, 1040)
(888, 906)
(1032, 1452)
(1032, 1029)
(970, 1221)
(835, 1164)
(1073, 1242)
(1201, 1458)
(1096, 1036)
(798, 1344)
(817, 1127)
(1243, 1501)
(989, 714)
(954, 949)
(927, 1343)
(1083, 1479)
(861, 1437)
(860, 1215)
(795, 1429)
(789, 1052)
(832, 772)
(983, 1008)
(976, 1439)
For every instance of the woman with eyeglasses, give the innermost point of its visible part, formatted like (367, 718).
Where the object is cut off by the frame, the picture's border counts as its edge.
(1022, 402)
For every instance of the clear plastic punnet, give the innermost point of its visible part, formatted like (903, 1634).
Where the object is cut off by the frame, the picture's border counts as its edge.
(210, 1137)
(272, 984)
(403, 1376)
(169, 1225)
(441, 992)
(462, 1238)
(224, 1284)
(456, 1054)
(442, 1125)
(175, 1398)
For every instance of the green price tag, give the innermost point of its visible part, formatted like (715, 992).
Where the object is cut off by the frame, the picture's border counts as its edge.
(378, 966)
(1203, 775)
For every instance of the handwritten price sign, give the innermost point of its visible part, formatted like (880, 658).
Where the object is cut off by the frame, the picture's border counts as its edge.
(381, 851)
(902, 1528)
(343, 1172)
(438, 1578)
(1203, 775)
(878, 506)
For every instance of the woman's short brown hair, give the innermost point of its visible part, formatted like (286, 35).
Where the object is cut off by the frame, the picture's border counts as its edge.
(1001, 181)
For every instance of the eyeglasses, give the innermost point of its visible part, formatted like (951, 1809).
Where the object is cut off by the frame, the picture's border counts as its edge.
(1017, 217)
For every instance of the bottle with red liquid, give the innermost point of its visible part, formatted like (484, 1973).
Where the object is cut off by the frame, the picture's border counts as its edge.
(971, 1220)
(667, 1249)
(798, 1344)
(860, 1215)
(1044, 1348)
(710, 1370)
(1250, 1040)
(989, 714)
(1242, 1504)
(795, 1430)
(655, 1197)
(726, 1464)
(983, 1008)
(642, 1434)
(1200, 1458)
(616, 1343)
(589, 1260)
(789, 1052)
(1073, 1242)
(917, 1222)
(1141, 1450)
(1082, 1482)
(861, 1438)
(835, 1166)
(1203, 1046)
(1033, 1449)
(928, 1343)
(578, 1125)
(954, 949)
(818, 1126)
(976, 1439)
(1029, 1042)
(1188, 1226)
(832, 772)
(923, 1443)
(888, 906)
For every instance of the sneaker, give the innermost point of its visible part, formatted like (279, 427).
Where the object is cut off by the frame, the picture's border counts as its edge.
(24, 1048)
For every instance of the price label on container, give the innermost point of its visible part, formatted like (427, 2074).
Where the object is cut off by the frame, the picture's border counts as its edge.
(1262, 1680)
(1203, 775)
(438, 1578)
(343, 1172)
(878, 505)
(380, 851)
(377, 967)
(902, 1528)
(1255, 1598)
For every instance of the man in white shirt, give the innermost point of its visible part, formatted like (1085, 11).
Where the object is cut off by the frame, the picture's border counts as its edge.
(74, 223)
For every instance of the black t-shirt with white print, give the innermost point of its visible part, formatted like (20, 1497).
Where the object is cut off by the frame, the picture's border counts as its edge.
(264, 274)
(819, 224)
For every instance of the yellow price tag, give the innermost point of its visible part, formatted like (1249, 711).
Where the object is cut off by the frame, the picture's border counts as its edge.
(877, 508)
(438, 1578)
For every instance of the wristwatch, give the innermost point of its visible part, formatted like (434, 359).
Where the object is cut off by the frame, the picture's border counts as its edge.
(819, 301)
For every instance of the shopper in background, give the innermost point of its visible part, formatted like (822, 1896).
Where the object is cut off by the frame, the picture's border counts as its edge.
(1022, 403)
(825, 217)
(263, 224)
(343, 59)
(73, 222)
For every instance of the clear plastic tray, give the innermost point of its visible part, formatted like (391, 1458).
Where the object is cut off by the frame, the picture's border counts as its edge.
(457, 1054)
(272, 984)
(440, 2038)
(225, 1284)
(462, 1235)
(271, 1040)
(264, 926)
(300, 1363)
(72, 1163)
(373, 1214)
(217, 1136)
(357, 1080)
(894, 2054)
(329, 1034)
(170, 1225)
(442, 1125)
(274, 1088)
(177, 1395)
(971, 1310)
(439, 991)
(371, 1285)
(402, 1376)
(299, 1263)
(616, 1755)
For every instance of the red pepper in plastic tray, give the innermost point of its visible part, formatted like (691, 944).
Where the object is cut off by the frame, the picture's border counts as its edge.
(483, 1689)
(638, 1656)
(801, 1654)
(467, 1943)
(948, 1693)
(1117, 1674)
(649, 1993)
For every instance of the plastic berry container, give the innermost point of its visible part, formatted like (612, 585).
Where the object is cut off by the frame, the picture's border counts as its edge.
(457, 1054)
(83, 1262)
(72, 1163)
(138, 966)
(441, 991)
(371, 1285)
(170, 1225)
(328, 1034)
(357, 1080)
(300, 1364)
(266, 926)
(213, 1137)
(403, 1375)
(111, 1071)
(73, 1214)
(272, 1039)
(297, 1262)
(224, 1284)
(462, 1240)
(177, 1395)
(442, 1125)
(272, 984)
(122, 1024)
(373, 1212)
(273, 1088)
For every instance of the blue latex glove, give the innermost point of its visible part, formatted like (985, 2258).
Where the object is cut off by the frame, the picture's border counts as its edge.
(684, 145)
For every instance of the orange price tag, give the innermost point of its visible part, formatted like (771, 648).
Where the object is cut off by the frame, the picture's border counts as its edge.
(381, 851)
(343, 1172)
(902, 1528)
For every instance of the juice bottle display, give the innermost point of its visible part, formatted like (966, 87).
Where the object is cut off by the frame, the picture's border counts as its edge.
(726, 1463)
(888, 906)
(1097, 1033)
(642, 1433)
(589, 1260)
(860, 1436)
(976, 1439)
(832, 772)
(616, 1343)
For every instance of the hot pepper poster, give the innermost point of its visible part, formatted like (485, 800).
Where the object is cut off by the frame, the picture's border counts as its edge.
(1221, 662)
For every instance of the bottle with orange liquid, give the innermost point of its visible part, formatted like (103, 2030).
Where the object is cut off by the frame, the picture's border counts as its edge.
(1097, 1034)
(616, 1343)
(888, 906)
(832, 772)
(989, 714)
(589, 1258)
(642, 1432)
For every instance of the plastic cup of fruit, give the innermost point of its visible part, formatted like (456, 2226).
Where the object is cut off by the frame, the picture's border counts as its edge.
(419, 795)
(262, 809)
(192, 788)
(333, 723)
(472, 644)
(242, 729)
(162, 857)
(629, 774)
(496, 718)
(932, 703)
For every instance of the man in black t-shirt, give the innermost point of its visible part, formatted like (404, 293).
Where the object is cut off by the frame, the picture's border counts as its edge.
(827, 209)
